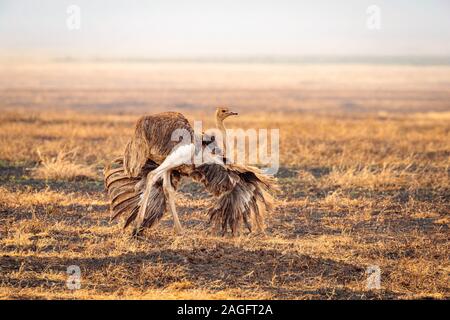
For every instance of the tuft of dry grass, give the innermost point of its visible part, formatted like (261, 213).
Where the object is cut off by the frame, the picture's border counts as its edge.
(63, 167)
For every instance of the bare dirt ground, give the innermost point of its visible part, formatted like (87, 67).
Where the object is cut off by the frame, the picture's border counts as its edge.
(364, 177)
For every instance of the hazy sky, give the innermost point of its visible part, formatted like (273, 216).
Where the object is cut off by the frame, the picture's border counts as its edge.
(157, 28)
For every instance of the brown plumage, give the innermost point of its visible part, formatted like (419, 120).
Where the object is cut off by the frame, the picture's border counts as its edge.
(243, 196)
(141, 185)
(152, 139)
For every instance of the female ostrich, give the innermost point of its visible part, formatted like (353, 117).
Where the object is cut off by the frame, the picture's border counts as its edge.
(142, 183)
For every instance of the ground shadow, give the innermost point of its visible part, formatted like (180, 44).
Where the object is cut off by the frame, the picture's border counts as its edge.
(225, 266)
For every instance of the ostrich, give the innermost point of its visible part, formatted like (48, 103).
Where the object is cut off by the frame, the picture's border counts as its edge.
(142, 184)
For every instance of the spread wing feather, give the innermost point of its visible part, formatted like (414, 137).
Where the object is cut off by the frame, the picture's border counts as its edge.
(243, 195)
(125, 194)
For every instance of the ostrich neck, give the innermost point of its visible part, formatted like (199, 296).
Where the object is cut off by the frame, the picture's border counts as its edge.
(221, 127)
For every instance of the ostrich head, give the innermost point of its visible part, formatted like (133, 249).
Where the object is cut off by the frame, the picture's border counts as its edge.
(222, 113)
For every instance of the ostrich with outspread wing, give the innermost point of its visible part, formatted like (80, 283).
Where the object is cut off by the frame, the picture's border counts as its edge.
(142, 184)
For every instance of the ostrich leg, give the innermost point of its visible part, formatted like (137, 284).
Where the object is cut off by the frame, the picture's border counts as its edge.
(169, 192)
(143, 206)
(182, 155)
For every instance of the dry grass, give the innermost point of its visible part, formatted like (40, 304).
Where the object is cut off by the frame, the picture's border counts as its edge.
(357, 189)
(62, 167)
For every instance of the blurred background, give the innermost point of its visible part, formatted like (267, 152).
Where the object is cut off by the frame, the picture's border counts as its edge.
(325, 56)
(202, 29)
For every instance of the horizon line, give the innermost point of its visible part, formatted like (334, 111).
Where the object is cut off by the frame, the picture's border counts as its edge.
(427, 59)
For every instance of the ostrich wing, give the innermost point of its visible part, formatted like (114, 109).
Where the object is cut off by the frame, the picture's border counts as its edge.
(243, 195)
(125, 193)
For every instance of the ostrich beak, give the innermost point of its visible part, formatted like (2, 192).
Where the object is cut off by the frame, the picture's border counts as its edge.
(230, 113)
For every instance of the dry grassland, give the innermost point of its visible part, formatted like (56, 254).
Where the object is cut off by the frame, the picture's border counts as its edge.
(365, 180)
